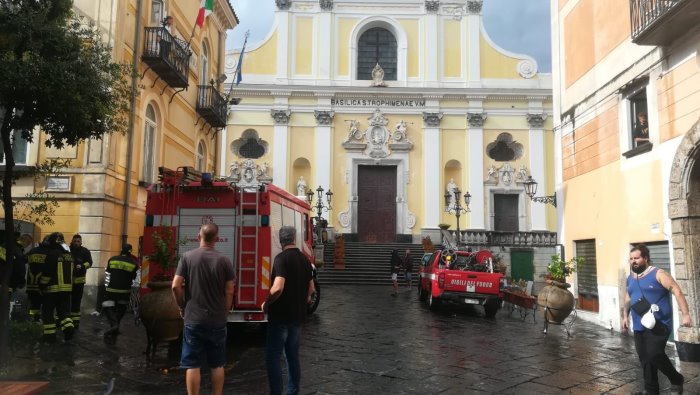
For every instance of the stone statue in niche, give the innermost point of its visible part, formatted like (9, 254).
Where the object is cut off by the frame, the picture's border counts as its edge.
(378, 76)
(301, 187)
(451, 188)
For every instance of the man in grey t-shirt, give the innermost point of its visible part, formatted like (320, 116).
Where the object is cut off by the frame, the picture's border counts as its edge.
(203, 288)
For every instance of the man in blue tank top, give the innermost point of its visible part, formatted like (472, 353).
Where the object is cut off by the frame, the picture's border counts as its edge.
(655, 286)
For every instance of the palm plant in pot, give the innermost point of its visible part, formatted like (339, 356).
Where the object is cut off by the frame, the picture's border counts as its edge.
(557, 300)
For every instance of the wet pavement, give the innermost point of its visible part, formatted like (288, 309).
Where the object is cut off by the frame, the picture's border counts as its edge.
(364, 341)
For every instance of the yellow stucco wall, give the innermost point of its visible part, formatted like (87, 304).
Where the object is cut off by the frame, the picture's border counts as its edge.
(453, 48)
(345, 26)
(607, 193)
(495, 64)
(262, 60)
(412, 29)
(303, 43)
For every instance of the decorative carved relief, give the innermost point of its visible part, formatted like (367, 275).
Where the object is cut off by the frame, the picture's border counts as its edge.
(504, 149)
(474, 6)
(247, 172)
(410, 219)
(281, 117)
(432, 6)
(283, 4)
(344, 218)
(527, 68)
(536, 120)
(432, 119)
(378, 76)
(476, 119)
(324, 118)
(506, 175)
(378, 137)
(377, 134)
(326, 5)
(354, 134)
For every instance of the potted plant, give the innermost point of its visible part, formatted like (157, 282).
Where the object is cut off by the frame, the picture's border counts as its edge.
(158, 310)
(557, 300)
(444, 226)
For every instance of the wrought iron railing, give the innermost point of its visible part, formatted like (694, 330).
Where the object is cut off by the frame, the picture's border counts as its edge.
(508, 239)
(168, 55)
(643, 13)
(212, 106)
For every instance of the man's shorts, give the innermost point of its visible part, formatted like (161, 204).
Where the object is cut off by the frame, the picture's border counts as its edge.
(394, 276)
(201, 342)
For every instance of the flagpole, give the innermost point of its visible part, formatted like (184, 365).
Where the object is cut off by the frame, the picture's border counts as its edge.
(238, 66)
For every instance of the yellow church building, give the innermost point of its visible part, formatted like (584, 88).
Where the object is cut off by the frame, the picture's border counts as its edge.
(388, 105)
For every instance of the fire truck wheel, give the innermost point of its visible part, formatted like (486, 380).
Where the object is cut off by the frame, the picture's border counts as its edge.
(433, 302)
(315, 299)
(491, 308)
(422, 294)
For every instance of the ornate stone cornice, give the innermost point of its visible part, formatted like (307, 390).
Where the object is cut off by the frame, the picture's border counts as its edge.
(474, 6)
(476, 119)
(281, 117)
(432, 119)
(324, 118)
(536, 120)
(283, 4)
(432, 6)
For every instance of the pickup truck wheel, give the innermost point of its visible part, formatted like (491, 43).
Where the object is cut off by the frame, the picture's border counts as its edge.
(491, 308)
(433, 302)
(422, 294)
(315, 299)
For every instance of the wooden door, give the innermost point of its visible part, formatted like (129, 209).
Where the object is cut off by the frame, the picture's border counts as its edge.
(376, 204)
(505, 213)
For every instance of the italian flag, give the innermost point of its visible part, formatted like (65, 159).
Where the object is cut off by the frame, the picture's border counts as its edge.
(206, 7)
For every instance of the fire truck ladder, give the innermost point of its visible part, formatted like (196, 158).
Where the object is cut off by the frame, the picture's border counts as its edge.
(248, 247)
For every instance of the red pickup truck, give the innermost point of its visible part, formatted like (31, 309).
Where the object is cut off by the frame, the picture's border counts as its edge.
(463, 277)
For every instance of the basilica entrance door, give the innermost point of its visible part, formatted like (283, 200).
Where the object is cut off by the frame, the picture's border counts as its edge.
(376, 204)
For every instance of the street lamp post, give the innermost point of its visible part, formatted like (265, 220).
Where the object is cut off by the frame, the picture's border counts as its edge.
(320, 207)
(456, 208)
(531, 190)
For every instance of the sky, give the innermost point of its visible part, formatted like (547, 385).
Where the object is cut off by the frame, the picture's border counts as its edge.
(519, 26)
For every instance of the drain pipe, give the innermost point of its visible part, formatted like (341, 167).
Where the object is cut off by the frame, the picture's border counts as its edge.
(132, 120)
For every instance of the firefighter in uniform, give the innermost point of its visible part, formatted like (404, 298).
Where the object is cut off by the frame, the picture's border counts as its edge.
(18, 266)
(56, 285)
(37, 259)
(82, 259)
(119, 275)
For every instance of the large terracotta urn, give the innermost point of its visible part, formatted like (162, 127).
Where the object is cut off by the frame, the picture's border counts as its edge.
(159, 313)
(557, 301)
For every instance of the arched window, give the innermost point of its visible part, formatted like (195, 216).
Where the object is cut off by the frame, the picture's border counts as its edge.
(201, 156)
(149, 145)
(376, 45)
(204, 71)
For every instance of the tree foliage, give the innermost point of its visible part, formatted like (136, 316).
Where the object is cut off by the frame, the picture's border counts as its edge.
(59, 76)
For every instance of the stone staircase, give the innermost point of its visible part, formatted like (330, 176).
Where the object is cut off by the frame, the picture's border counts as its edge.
(365, 263)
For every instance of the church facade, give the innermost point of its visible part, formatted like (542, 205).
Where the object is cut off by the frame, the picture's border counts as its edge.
(388, 104)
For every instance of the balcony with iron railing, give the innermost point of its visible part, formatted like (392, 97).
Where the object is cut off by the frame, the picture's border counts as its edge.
(212, 106)
(660, 22)
(508, 239)
(167, 55)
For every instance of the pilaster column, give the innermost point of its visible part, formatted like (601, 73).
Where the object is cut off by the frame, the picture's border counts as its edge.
(324, 125)
(281, 141)
(474, 43)
(475, 137)
(433, 192)
(431, 51)
(324, 46)
(282, 21)
(537, 171)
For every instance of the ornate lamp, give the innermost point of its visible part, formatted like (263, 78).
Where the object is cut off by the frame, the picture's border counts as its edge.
(531, 190)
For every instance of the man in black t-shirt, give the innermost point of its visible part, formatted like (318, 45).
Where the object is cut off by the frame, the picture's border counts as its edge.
(203, 288)
(292, 286)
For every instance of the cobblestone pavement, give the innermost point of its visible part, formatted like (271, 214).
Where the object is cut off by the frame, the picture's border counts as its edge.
(364, 341)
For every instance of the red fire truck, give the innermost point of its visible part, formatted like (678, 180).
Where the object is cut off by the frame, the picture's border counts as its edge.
(249, 218)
